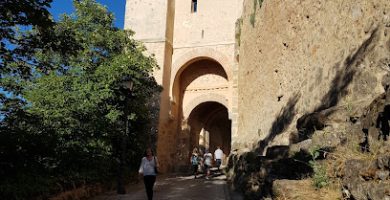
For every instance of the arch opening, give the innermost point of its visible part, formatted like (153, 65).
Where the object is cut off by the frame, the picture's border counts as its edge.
(210, 127)
(199, 75)
(201, 107)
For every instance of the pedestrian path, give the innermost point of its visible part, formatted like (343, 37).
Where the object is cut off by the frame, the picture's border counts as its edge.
(179, 187)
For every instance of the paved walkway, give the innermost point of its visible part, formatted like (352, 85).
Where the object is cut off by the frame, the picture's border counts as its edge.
(179, 187)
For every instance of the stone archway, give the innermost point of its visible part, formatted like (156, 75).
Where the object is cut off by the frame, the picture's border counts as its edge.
(200, 54)
(209, 97)
(200, 75)
(201, 106)
(210, 127)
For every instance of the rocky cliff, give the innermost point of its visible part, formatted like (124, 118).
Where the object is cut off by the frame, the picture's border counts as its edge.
(313, 93)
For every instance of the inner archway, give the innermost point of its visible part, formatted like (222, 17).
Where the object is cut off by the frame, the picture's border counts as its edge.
(200, 108)
(210, 127)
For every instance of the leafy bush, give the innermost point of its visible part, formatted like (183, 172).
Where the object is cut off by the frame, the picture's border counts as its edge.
(320, 178)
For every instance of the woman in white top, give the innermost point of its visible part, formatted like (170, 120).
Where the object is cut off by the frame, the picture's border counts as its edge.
(148, 169)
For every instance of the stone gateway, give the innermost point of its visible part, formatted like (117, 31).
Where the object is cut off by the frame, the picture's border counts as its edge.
(194, 45)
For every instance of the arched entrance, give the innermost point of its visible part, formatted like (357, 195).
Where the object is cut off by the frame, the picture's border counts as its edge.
(200, 94)
(210, 127)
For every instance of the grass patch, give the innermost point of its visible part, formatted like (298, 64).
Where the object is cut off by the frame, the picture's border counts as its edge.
(351, 149)
(304, 190)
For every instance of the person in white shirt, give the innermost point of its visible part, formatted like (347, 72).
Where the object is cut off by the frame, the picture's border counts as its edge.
(148, 169)
(218, 153)
(208, 157)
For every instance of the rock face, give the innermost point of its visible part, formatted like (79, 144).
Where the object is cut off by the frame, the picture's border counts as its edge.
(365, 180)
(314, 87)
(254, 175)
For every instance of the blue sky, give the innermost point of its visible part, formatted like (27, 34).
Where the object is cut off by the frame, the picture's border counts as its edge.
(59, 7)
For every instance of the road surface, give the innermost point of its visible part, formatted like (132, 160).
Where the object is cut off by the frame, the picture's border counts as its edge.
(179, 187)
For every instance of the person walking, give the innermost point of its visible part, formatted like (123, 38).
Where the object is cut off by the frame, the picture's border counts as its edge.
(207, 163)
(218, 154)
(148, 169)
(194, 160)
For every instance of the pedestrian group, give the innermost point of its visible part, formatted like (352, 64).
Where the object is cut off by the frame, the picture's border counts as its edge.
(203, 162)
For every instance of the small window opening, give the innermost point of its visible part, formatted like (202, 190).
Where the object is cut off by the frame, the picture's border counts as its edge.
(194, 6)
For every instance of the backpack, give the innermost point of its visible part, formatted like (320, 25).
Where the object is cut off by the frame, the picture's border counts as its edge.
(194, 160)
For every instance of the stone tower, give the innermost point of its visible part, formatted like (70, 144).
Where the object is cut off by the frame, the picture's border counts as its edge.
(194, 44)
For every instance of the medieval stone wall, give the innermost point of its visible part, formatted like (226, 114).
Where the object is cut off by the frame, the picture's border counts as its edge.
(213, 23)
(302, 56)
(153, 17)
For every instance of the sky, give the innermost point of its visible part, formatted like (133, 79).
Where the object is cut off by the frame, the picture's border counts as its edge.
(59, 7)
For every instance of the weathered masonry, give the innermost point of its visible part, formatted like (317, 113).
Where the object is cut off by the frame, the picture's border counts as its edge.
(194, 44)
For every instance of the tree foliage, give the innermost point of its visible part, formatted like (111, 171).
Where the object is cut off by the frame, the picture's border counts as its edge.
(17, 48)
(65, 123)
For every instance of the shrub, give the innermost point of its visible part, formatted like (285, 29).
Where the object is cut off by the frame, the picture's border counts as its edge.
(320, 178)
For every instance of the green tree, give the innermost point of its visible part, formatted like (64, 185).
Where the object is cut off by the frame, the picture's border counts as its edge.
(25, 145)
(84, 100)
(76, 106)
